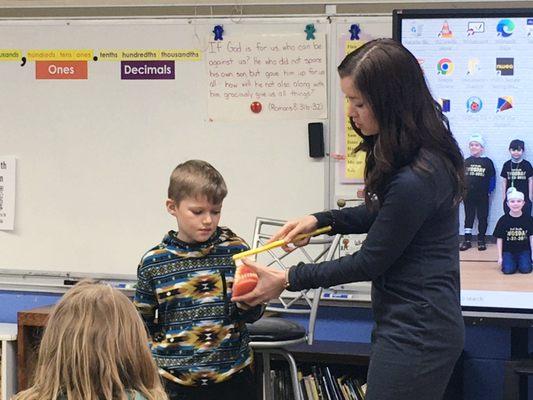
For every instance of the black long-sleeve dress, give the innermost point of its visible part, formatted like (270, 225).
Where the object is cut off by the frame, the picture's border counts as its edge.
(411, 256)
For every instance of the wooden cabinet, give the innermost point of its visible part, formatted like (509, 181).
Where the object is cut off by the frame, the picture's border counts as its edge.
(31, 324)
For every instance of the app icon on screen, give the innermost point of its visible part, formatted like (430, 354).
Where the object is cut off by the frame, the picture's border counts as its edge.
(505, 66)
(505, 27)
(474, 104)
(445, 104)
(416, 29)
(475, 27)
(529, 26)
(445, 66)
(473, 66)
(446, 32)
(504, 103)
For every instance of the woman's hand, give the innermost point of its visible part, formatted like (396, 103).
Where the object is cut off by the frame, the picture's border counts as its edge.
(270, 285)
(500, 261)
(295, 227)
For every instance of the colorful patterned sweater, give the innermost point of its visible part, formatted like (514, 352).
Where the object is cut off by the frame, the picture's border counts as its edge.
(183, 294)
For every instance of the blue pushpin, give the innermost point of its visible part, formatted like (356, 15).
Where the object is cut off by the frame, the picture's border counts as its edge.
(354, 32)
(218, 31)
(310, 31)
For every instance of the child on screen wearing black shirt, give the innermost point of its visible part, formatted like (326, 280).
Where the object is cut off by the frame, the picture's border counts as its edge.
(518, 173)
(514, 233)
(480, 180)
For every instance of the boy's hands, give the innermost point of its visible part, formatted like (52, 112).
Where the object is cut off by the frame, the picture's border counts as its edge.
(295, 227)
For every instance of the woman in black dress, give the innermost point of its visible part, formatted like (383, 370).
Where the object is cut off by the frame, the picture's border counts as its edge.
(414, 179)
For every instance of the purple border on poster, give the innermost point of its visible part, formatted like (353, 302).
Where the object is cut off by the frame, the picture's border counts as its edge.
(135, 70)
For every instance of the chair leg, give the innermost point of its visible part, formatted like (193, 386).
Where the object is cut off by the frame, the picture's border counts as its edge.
(294, 372)
(267, 380)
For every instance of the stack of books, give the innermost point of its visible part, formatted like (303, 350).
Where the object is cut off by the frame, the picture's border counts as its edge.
(318, 383)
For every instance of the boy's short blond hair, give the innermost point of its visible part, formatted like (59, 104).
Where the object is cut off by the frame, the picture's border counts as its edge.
(196, 178)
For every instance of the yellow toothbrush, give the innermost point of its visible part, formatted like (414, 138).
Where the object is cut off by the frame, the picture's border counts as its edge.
(278, 243)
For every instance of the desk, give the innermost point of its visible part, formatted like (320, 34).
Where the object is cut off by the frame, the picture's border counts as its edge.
(30, 328)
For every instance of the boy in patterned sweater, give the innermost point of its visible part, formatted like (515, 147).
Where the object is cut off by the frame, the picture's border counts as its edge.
(199, 337)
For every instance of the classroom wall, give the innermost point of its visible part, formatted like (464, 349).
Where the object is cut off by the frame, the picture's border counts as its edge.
(86, 8)
(486, 347)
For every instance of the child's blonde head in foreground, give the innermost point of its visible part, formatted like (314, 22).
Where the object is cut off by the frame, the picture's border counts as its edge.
(95, 347)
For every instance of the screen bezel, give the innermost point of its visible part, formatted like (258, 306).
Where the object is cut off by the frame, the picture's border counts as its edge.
(514, 316)
(399, 15)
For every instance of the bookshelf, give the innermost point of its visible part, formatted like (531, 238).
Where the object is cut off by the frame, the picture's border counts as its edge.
(345, 360)
(329, 370)
(319, 382)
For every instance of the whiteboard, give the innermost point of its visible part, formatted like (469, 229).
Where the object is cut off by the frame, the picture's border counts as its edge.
(371, 27)
(94, 156)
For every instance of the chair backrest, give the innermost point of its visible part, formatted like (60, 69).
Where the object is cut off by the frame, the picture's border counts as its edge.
(319, 249)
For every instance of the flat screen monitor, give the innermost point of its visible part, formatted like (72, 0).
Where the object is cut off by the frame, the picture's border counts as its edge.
(479, 67)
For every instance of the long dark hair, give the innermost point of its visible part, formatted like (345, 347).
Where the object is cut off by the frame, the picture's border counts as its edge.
(411, 124)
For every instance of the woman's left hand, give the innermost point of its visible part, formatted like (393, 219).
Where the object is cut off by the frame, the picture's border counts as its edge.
(270, 285)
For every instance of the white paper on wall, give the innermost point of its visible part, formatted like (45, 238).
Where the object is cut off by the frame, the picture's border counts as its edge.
(7, 192)
(267, 77)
